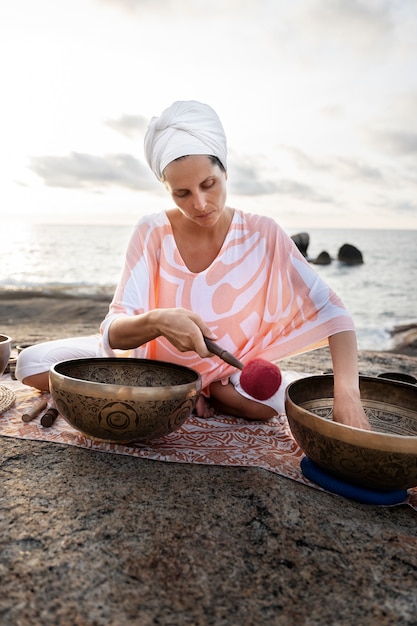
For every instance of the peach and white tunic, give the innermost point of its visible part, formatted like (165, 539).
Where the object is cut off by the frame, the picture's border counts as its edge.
(260, 297)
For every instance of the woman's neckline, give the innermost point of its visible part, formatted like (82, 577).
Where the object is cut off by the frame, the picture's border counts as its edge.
(199, 255)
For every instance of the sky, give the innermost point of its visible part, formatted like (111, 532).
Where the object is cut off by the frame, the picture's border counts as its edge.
(318, 99)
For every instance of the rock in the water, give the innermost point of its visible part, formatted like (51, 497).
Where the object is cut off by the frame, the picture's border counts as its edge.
(302, 241)
(323, 258)
(350, 255)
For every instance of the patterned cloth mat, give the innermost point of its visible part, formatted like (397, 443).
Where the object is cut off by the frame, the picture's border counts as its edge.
(221, 440)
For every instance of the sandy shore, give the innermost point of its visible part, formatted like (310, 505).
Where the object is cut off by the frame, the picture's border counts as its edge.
(33, 319)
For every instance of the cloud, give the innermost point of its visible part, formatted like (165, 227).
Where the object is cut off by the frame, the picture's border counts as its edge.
(245, 180)
(92, 172)
(403, 105)
(388, 206)
(342, 167)
(130, 126)
(358, 24)
(407, 207)
(87, 171)
(357, 169)
(397, 142)
(302, 191)
(332, 111)
(178, 7)
(135, 5)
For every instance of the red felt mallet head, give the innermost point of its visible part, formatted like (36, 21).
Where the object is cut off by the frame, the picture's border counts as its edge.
(260, 379)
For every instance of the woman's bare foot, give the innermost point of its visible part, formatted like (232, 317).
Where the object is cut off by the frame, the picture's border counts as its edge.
(203, 408)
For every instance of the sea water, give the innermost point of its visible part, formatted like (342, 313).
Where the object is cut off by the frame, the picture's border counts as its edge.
(85, 260)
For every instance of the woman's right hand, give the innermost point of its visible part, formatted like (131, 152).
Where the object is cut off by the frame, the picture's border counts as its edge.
(181, 327)
(184, 329)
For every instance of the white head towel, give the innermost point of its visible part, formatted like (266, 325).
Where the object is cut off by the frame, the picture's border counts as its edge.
(186, 127)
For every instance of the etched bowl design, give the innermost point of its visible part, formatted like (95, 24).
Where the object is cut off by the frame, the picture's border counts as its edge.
(384, 458)
(124, 400)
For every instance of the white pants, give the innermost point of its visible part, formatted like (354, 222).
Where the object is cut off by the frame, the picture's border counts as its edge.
(40, 357)
(277, 401)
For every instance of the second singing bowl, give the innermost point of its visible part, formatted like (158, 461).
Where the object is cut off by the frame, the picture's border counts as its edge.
(5, 351)
(124, 400)
(384, 458)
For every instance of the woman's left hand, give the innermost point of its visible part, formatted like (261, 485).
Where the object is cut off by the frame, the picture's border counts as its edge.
(348, 410)
(347, 405)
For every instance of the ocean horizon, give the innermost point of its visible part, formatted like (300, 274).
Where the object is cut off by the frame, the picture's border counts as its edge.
(80, 260)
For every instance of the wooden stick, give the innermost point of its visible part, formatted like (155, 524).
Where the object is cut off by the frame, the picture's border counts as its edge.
(223, 354)
(34, 411)
(49, 417)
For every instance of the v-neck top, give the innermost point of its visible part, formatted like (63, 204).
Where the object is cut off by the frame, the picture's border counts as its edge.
(259, 296)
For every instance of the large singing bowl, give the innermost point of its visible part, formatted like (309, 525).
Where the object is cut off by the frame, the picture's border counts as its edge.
(384, 458)
(124, 400)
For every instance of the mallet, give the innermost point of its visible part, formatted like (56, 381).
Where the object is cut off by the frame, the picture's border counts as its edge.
(259, 378)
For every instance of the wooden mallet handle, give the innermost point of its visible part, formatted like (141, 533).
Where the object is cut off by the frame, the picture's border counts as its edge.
(226, 356)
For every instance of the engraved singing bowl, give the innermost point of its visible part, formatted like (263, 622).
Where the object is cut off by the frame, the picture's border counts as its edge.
(124, 400)
(5, 351)
(384, 458)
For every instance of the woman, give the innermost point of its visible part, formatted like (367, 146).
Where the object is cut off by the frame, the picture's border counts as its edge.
(204, 268)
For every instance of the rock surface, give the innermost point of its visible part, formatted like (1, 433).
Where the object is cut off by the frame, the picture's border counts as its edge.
(96, 539)
(90, 538)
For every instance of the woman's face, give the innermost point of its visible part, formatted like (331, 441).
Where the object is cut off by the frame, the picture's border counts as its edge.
(198, 188)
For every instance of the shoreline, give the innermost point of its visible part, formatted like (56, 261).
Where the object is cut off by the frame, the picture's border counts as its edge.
(31, 317)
